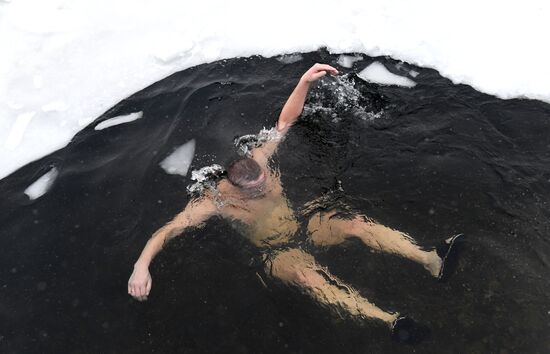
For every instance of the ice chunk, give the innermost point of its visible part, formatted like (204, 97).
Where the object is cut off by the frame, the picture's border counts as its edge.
(42, 185)
(378, 73)
(290, 58)
(119, 120)
(178, 162)
(347, 60)
(18, 130)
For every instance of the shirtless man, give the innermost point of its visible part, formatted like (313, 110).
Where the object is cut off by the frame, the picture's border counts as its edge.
(252, 197)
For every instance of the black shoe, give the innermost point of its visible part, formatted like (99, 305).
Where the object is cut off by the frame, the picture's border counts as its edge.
(448, 252)
(405, 330)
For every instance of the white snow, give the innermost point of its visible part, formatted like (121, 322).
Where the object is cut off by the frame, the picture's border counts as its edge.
(18, 130)
(178, 162)
(377, 73)
(56, 106)
(65, 62)
(118, 120)
(39, 187)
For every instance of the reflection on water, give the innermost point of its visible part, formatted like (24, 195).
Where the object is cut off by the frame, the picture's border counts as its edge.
(438, 159)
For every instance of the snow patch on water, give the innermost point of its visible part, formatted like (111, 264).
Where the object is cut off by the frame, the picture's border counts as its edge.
(347, 61)
(377, 73)
(41, 185)
(290, 58)
(178, 162)
(119, 120)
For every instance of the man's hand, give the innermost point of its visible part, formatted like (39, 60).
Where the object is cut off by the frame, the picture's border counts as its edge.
(317, 71)
(139, 284)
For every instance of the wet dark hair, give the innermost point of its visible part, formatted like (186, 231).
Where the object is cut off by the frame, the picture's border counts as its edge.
(243, 171)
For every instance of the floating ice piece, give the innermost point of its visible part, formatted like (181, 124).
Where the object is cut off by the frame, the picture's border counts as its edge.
(178, 162)
(41, 185)
(18, 130)
(347, 60)
(378, 73)
(290, 58)
(119, 120)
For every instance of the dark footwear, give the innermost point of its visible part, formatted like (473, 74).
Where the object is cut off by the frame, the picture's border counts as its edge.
(405, 330)
(448, 252)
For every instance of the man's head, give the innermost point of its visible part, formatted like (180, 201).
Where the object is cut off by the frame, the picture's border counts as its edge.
(245, 173)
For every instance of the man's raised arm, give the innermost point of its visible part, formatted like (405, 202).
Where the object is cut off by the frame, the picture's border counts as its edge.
(195, 213)
(293, 108)
(295, 103)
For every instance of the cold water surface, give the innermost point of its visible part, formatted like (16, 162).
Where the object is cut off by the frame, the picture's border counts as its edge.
(432, 160)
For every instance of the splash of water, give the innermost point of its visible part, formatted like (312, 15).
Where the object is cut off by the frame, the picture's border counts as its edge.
(246, 143)
(205, 179)
(340, 96)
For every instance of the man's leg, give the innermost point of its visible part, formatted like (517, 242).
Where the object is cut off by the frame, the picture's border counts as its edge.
(296, 267)
(327, 229)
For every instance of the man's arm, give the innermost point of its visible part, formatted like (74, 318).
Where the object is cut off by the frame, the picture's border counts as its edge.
(295, 103)
(293, 107)
(195, 213)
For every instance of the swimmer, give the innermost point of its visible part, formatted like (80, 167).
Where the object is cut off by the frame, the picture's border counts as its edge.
(252, 197)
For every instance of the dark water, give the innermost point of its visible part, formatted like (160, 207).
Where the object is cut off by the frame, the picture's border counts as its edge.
(440, 159)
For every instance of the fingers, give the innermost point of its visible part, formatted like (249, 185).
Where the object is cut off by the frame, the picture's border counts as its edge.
(325, 67)
(139, 284)
(317, 71)
(139, 292)
(318, 75)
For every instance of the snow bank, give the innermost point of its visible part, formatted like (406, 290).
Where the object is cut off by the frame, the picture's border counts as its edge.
(65, 62)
